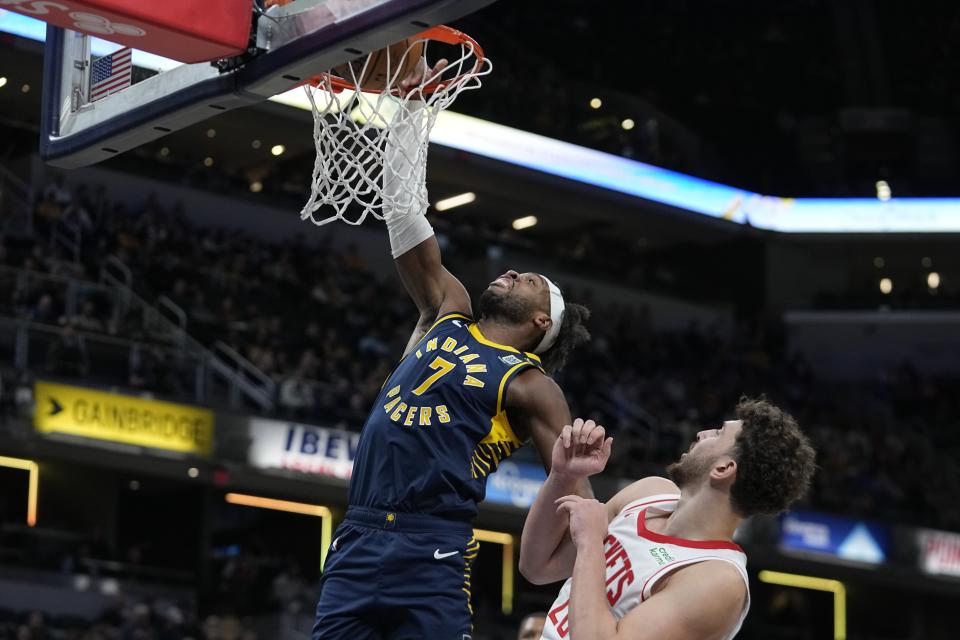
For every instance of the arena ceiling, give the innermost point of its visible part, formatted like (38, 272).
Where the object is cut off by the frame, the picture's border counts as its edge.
(792, 98)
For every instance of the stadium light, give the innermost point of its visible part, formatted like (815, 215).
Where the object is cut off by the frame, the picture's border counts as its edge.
(455, 201)
(933, 280)
(298, 99)
(628, 124)
(835, 587)
(525, 222)
(33, 482)
(25, 88)
(303, 508)
(883, 190)
(886, 286)
(506, 576)
(211, 133)
(3, 81)
(596, 103)
(277, 149)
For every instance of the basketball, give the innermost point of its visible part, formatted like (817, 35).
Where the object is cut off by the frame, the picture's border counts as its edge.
(383, 65)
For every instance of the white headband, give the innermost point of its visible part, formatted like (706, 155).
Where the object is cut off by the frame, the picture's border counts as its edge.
(556, 315)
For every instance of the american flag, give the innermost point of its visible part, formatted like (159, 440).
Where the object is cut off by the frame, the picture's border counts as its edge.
(110, 74)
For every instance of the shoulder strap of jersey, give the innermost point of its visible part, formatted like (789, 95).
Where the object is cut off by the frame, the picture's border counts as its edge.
(659, 501)
(517, 356)
(441, 321)
(447, 317)
(534, 359)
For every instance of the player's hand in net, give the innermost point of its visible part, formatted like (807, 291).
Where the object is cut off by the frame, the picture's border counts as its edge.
(582, 449)
(422, 75)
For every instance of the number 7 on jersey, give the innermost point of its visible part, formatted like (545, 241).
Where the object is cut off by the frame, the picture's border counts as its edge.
(442, 368)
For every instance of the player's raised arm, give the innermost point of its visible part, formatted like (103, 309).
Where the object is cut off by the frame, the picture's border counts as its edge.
(546, 551)
(434, 290)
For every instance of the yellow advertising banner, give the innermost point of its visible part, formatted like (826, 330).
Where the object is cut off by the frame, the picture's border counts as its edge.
(108, 416)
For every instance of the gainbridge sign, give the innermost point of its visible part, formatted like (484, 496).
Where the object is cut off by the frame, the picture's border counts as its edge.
(118, 418)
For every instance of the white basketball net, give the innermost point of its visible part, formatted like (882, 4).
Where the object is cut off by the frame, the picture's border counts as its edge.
(372, 147)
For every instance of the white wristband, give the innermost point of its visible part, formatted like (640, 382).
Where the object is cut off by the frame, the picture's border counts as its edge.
(407, 231)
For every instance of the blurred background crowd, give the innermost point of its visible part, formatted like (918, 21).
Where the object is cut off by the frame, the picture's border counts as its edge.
(327, 328)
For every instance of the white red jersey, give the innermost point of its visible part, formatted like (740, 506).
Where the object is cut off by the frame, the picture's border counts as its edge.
(637, 559)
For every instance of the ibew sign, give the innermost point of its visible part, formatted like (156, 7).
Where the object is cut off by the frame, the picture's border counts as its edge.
(299, 447)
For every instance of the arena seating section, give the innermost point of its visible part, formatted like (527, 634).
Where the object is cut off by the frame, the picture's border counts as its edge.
(328, 329)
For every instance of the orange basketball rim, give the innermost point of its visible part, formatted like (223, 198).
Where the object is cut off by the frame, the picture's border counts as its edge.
(440, 33)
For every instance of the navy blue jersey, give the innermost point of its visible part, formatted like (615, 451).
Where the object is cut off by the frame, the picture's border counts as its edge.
(439, 426)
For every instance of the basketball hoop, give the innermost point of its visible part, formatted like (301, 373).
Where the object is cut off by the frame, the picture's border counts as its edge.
(372, 142)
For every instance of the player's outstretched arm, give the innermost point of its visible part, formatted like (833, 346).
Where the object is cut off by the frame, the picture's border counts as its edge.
(643, 488)
(699, 602)
(546, 551)
(412, 242)
(434, 290)
(541, 563)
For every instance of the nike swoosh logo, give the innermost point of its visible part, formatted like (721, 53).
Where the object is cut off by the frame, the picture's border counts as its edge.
(441, 556)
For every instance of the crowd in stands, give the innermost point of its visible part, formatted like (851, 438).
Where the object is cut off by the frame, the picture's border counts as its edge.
(328, 329)
(718, 90)
(130, 619)
(256, 594)
(161, 620)
(718, 81)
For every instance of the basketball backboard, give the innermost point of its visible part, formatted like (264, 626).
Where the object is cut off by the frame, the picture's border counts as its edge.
(288, 45)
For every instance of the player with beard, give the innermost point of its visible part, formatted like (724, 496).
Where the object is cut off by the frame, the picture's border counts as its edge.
(468, 392)
(658, 560)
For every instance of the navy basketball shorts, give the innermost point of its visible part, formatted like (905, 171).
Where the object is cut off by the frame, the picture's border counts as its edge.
(396, 576)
